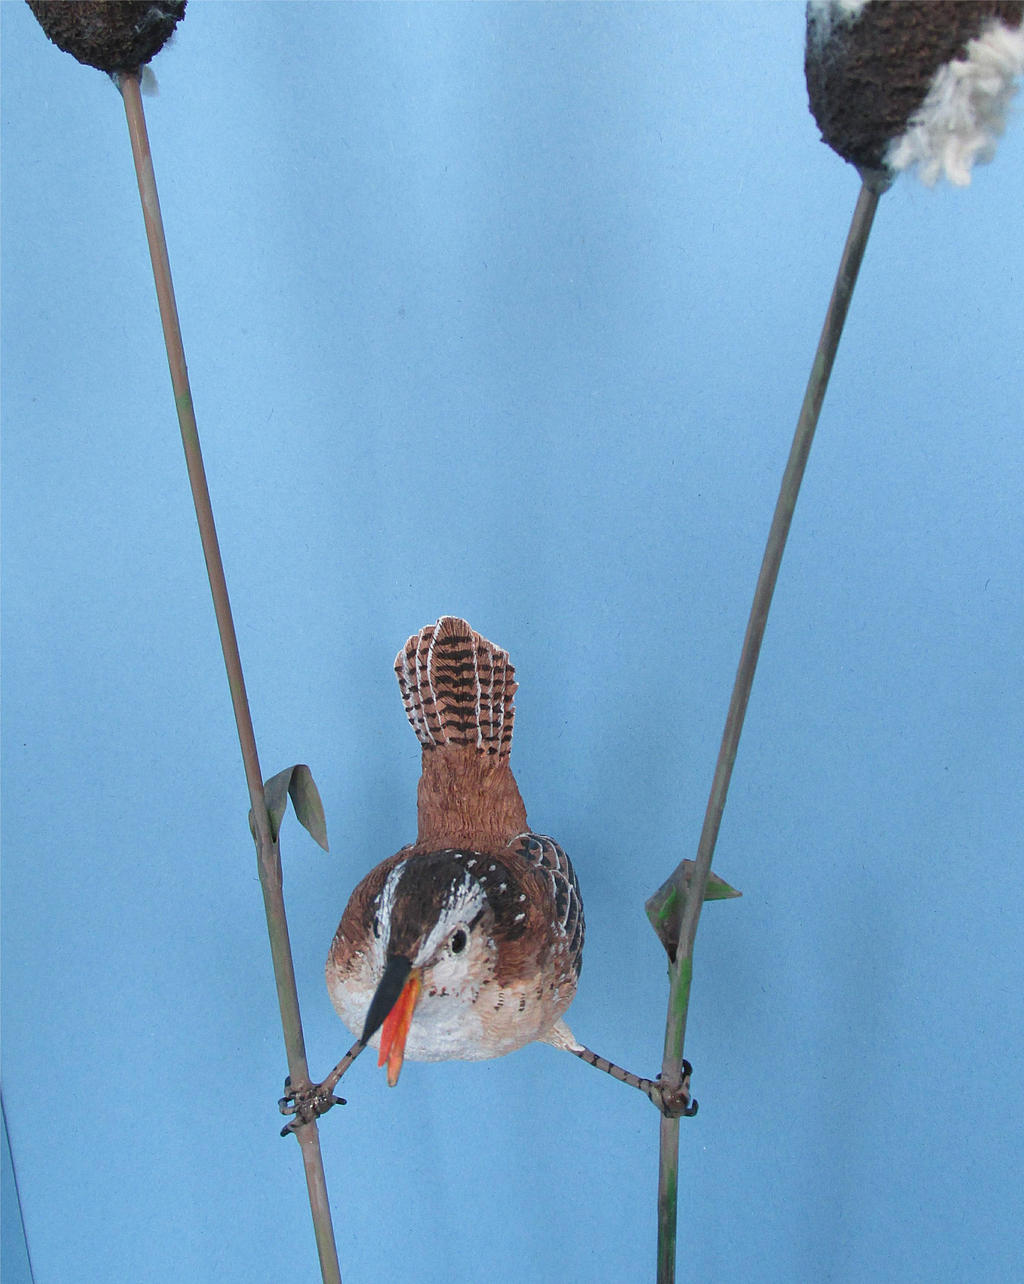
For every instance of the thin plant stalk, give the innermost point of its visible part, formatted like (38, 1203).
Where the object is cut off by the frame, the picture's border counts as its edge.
(268, 851)
(681, 965)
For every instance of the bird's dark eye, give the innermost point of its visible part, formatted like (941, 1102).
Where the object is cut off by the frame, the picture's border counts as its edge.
(458, 941)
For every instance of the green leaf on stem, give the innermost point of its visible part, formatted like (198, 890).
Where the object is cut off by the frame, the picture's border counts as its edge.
(296, 783)
(665, 907)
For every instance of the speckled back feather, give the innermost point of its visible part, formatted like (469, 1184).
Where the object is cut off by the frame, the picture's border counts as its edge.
(554, 865)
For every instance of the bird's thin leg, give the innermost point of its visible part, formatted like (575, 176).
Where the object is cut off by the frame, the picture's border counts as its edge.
(331, 1082)
(307, 1103)
(672, 1102)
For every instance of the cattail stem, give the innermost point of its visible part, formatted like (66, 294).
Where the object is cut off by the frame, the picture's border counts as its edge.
(268, 853)
(681, 966)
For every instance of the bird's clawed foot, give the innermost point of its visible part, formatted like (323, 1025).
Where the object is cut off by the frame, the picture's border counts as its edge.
(306, 1104)
(674, 1102)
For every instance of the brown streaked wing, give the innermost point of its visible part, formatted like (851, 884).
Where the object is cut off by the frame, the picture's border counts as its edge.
(549, 859)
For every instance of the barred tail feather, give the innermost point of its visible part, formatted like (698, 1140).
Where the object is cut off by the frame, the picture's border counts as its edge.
(457, 688)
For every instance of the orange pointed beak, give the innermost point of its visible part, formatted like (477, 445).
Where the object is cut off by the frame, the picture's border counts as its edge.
(395, 1029)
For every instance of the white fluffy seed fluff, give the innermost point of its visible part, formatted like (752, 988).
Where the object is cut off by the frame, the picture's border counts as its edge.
(963, 116)
(826, 12)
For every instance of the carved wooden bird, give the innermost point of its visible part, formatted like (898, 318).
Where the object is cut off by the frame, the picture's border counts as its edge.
(467, 943)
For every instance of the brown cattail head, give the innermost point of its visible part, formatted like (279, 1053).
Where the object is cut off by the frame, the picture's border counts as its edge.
(111, 35)
(880, 70)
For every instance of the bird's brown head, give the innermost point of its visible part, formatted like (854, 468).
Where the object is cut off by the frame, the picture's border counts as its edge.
(436, 937)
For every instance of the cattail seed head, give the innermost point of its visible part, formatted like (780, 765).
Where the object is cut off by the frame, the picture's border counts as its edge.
(111, 35)
(893, 83)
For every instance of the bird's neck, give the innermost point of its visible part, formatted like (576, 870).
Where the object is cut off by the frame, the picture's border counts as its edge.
(466, 799)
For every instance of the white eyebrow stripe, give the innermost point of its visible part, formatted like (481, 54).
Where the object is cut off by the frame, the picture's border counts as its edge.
(465, 902)
(386, 903)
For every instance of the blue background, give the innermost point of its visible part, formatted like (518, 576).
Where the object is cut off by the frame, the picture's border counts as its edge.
(507, 311)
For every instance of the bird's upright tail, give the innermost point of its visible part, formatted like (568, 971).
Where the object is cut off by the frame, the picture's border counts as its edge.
(457, 688)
